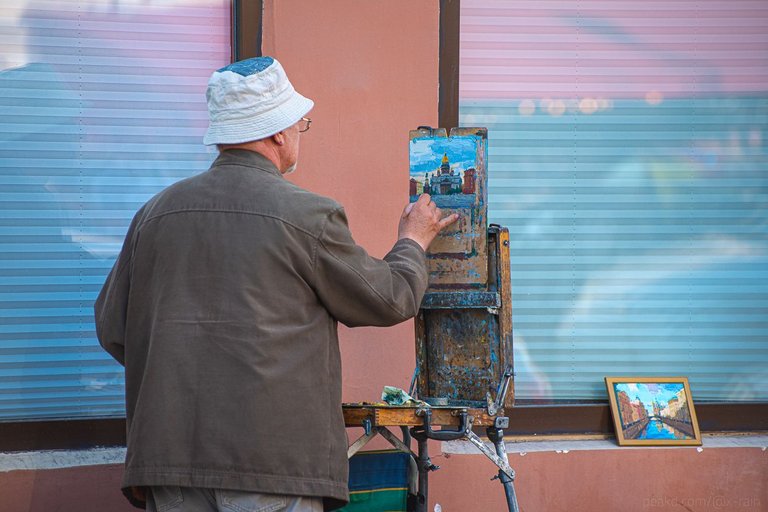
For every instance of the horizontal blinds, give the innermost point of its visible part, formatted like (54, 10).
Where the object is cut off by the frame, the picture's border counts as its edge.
(627, 155)
(103, 105)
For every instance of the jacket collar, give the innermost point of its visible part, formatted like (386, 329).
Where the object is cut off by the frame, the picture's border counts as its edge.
(245, 158)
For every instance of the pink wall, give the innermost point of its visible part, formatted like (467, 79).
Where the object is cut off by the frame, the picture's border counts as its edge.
(80, 489)
(372, 70)
(625, 480)
(622, 480)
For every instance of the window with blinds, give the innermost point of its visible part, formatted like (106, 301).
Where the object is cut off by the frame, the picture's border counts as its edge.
(627, 155)
(103, 105)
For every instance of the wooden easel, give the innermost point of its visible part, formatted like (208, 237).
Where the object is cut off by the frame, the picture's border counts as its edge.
(464, 326)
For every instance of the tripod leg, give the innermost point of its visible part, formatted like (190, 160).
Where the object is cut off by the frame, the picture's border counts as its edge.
(420, 503)
(425, 466)
(496, 435)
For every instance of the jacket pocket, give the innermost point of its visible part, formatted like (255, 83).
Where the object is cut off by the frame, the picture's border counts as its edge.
(252, 502)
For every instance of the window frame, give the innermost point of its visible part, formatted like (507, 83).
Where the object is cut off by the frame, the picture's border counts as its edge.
(247, 23)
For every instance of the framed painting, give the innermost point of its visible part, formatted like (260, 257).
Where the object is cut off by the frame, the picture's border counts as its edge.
(653, 411)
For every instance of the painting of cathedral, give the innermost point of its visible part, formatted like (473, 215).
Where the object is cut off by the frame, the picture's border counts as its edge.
(445, 169)
(452, 169)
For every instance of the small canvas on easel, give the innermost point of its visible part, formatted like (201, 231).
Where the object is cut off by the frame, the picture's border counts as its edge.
(452, 170)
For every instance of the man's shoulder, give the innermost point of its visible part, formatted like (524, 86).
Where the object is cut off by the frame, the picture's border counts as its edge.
(307, 201)
(306, 208)
(251, 193)
(168, 197)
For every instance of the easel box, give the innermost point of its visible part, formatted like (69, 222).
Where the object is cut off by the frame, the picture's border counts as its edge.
(464, 337)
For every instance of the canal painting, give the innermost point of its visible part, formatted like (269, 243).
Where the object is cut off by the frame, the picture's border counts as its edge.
(446, 169)
(653, 411)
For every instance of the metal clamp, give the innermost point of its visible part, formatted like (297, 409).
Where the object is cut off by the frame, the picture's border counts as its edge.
(427, 129)
(465, 425)
(494, 406)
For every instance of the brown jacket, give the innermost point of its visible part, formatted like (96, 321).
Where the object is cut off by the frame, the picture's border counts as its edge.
(223, 307)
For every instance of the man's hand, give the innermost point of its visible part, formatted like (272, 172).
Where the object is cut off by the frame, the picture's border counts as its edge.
(422, 221)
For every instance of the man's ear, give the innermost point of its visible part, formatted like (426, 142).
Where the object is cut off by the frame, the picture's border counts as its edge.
(279, 138)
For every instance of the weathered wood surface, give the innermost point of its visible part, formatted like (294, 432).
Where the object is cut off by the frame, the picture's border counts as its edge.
(463, 355)
(392, 416)
(506, 354)
(464, 337)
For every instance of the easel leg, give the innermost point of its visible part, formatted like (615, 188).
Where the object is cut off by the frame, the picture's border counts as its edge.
(425, 466)
(496, 436)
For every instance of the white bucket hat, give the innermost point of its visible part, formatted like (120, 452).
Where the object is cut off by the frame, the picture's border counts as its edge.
(251, 100)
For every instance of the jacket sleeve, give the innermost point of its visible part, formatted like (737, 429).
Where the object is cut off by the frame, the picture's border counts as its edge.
(112, 303)
(358, 289)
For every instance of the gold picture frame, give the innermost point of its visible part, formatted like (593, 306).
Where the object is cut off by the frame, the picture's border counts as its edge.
(653, 411)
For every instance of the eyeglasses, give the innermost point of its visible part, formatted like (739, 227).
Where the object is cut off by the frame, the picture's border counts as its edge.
(304, 124)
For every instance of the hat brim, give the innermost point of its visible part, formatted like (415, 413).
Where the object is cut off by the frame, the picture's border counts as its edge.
(268, 123)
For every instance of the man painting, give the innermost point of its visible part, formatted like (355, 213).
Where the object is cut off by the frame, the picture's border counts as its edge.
(223, 306)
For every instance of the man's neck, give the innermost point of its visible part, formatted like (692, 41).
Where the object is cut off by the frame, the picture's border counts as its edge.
(264, 147)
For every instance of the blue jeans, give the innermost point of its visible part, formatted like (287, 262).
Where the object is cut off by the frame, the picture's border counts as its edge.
(193, 499)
